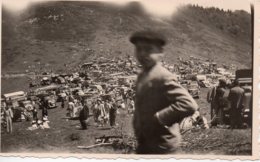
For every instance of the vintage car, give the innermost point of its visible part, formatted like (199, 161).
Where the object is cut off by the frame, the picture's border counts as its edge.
(96, 87)
(60, 80)
(74, 90)
(46, 89)
(45, 81)
(126, 80)
(27, 104)
(185, 82)
(48, 94)
(62, 93)
(26, 107)
(15, 96)
(50, 100)
(33, 84)
(247, 106)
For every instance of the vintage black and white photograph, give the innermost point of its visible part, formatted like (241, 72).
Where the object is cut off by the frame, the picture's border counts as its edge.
(127, 77)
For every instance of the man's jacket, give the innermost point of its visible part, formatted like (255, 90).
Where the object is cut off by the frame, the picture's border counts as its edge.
(235, 97)
(160, 103)
(84, 113)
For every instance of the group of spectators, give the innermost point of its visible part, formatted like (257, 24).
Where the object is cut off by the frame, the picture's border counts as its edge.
(230, 100)
(103, 106)
(9, 112)
(39, 121)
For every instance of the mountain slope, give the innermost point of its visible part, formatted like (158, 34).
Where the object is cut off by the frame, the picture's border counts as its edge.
(51, 35)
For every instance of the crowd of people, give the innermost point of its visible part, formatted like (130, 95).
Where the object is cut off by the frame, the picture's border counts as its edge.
(103, 105)
(157, 100)
(230, 100)
(108, 99)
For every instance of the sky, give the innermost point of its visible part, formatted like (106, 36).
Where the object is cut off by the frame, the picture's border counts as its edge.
(156, 7)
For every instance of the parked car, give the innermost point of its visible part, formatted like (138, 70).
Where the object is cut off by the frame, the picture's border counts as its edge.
(51, 101)
(26, 107)
(45, 81)
(247, 106)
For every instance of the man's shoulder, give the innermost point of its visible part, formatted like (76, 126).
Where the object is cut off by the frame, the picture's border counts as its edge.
(242, 90)
(237, 89)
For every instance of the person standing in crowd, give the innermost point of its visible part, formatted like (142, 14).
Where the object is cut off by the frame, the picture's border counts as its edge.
(131, 107)
(211, 98)
(95, 112)
(70, 109)
(112, 114)
(128, 98)
(107, 106)
(102, 113)
(62, 102)
(3, 105)
(71, 98)
(45, 108)
(83, 115)
(63, 99)
(220, 102)
(235, 97)
(8, 114)
(160, 102)
(35, 114)
(75, 108)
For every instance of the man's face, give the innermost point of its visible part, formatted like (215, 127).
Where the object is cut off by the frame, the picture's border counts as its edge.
(148, 54)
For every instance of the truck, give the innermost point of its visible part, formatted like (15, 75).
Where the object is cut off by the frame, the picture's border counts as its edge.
(245, 78)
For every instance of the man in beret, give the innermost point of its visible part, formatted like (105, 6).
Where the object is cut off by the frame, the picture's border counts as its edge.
(161, 103)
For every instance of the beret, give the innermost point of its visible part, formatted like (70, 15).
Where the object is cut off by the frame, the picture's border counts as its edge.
(149, 36)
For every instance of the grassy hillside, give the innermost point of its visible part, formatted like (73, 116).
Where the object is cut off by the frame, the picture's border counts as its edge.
(197, 33)
(51, 35)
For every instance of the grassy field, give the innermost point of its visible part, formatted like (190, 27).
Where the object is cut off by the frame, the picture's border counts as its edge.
(65, 135)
